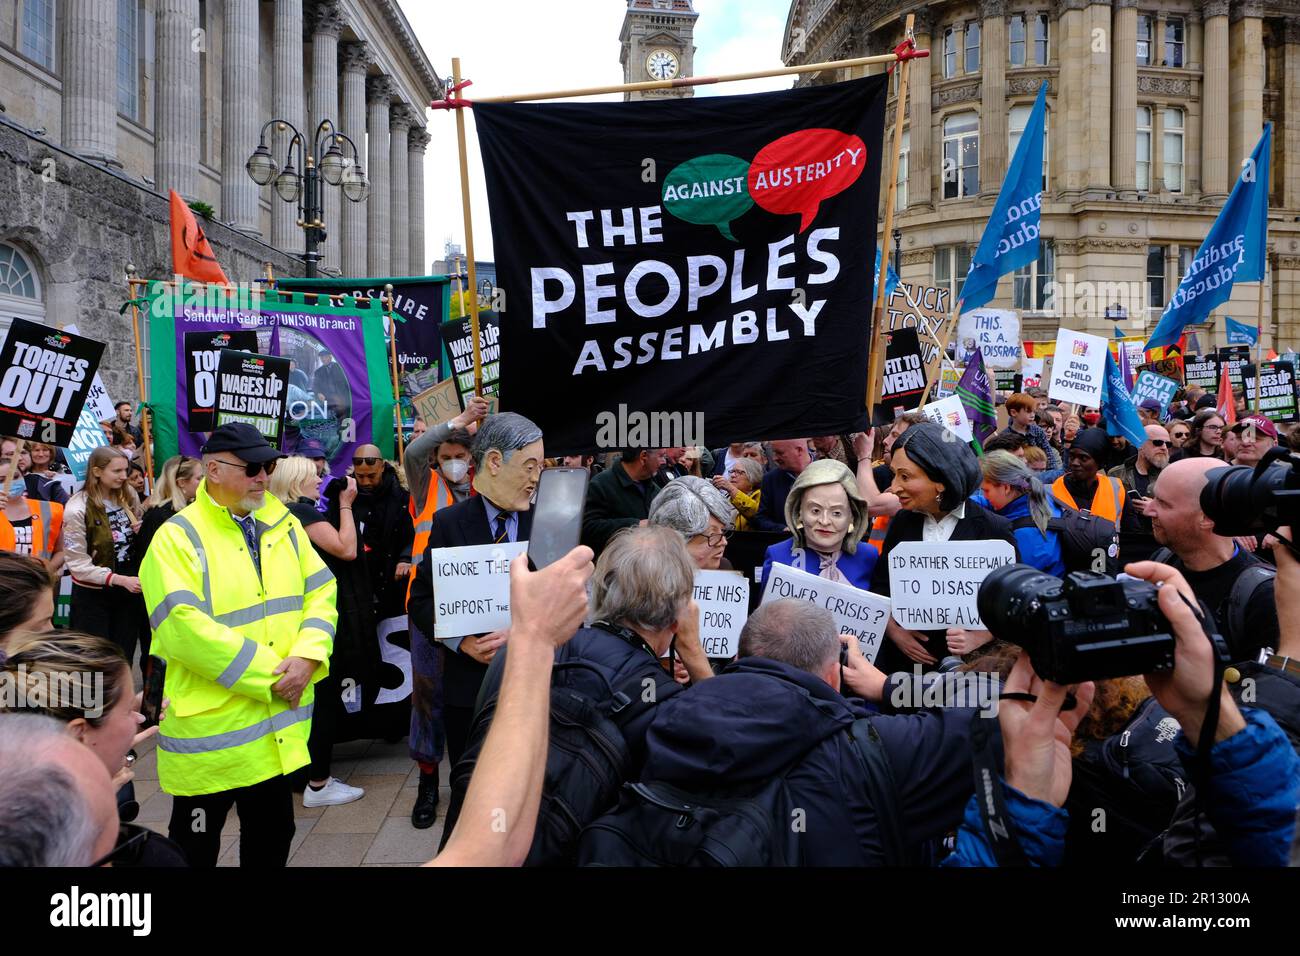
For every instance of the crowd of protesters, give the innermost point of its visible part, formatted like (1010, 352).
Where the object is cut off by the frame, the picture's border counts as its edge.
(265, 584)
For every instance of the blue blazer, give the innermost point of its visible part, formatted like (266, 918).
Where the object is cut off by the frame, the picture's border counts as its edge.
(856, 567)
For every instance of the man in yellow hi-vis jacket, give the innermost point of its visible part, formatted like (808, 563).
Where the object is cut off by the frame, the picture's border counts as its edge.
(243, 610)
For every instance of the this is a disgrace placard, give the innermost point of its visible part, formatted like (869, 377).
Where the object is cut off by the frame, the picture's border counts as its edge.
(934, 584)
(859, 612)
(471, 588)
(723, 600)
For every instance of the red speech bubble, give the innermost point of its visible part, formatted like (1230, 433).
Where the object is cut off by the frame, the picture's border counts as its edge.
(795, 173)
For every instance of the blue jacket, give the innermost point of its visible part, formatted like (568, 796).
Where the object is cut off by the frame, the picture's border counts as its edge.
(1254, 789)
(856, 567)
(1044, 553)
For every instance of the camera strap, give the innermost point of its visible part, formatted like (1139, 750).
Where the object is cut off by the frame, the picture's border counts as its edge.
(991, 799)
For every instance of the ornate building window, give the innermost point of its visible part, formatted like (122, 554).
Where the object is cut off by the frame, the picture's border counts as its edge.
(950, 36)
(36, 39)
(1145, 26)
(1039, 21)
(961, 155)
(1016, 121)
(128, 76)
(973, 47)
(1016, 41)
(951, 263)
(1156, 277)
(20, 289)
(1173, 150)
(1143, 148)
(1175, 34)
(1029, 283)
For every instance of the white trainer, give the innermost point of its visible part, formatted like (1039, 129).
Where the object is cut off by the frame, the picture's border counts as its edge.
(332, 794)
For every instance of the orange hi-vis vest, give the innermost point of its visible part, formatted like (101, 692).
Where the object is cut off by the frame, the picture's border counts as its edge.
(1107, 503)
(879, 526)
(438, 496)
(47, 525)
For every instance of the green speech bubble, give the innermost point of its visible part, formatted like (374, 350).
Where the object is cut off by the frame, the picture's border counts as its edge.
(709, 191)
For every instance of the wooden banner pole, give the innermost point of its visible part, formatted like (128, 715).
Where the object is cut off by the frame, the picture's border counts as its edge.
(146, 423)
(876, 358)
(387, 299)
(469, 232)
(935, 368)
(1259, 341)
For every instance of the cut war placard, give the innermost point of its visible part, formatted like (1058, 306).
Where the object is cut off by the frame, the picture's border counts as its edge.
(252, 388)
(856, 611)
(1079, 368)
(934, 584)
(1277, 386)
(995, 332)
(202, 350)
(45, 378)
(1150, 385)
(723, 600)
(472, 588)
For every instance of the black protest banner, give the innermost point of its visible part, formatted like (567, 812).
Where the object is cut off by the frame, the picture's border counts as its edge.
(1277, 391)
(45, 377)
(458, 353)
(253, 388)
(1006, 379)
(904, 375)
(1202, 370)
(202, 350)
(1236, 357)
(708, 256)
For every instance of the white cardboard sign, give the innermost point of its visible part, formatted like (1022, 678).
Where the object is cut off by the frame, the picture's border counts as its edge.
(97, 398)
(995, 332)
(951, 414)
(471, 588)
(723, 600)
(856, 611)
(1031, 373)
(1079, 368)
(934, 584)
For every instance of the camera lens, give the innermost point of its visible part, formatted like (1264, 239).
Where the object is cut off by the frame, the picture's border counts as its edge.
(1241, 501)
(1005, 597)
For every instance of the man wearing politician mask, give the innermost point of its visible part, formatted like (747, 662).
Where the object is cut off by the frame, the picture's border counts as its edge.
(508, 456)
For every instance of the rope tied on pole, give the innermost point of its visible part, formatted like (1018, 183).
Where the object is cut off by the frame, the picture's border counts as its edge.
(453, 103)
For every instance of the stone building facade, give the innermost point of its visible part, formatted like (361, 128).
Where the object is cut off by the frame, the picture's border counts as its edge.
(1152, 107)
(658, 44)
(105, 105)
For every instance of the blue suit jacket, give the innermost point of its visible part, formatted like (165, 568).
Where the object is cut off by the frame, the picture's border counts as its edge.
(856, 567)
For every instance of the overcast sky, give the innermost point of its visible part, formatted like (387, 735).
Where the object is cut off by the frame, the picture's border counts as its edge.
(518, 46)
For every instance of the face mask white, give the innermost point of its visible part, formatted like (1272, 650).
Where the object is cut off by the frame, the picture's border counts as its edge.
(455, 469)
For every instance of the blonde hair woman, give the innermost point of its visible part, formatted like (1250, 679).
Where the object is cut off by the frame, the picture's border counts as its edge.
(99, 525)
(829, 518)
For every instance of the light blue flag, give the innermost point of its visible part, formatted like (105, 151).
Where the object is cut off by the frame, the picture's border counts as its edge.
(1234, 250)
(1011, 236)
(1239, 333)
(1117, 406)
(891, 280)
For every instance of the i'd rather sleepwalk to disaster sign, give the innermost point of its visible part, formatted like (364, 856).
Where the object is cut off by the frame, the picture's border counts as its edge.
(656, 248)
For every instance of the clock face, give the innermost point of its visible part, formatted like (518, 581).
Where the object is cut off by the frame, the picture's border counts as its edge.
(662, 64)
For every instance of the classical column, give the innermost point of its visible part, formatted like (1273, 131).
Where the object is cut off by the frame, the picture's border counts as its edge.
(287, 104)
(176, 118)
(379, 98)
(993, 96)
(918, 86)
(1214, 103)
(354, 58)
(240, 114)
(89, 67)
(1245, 81)
(1096, 22)
(1123, 111)
(415, 144)
(400, 120)
(1291, 131)
(326, 23)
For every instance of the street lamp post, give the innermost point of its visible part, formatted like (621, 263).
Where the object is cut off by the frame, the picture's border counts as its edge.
(323, 165)
(898, 251)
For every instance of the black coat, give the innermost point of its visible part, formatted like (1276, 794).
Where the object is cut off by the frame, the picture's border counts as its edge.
(760, 716)
(978, 524)
(458, 525)
(385, 535)
(614, 502)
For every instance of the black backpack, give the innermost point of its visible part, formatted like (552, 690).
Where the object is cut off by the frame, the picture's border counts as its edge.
(587, 758)
(1241, 596)
(1083, 537)
(656, 824)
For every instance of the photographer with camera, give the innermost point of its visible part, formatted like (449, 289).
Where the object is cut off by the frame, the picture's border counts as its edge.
(1236, 585)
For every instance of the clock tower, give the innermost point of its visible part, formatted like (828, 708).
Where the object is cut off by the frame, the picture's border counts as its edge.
(657, 45)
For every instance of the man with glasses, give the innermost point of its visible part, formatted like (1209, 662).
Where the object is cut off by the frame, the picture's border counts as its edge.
(243, 611)
(1138, 476)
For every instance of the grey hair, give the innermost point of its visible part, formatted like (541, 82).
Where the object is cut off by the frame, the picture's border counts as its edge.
(644, 577)
(752, 469)
(793, 632)
(44, 817)
(506, 432)
(828, 471)
(685, 504)
(1004, 468)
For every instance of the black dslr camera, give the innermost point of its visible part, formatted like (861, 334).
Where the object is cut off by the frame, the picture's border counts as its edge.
(1241, 500)
(1087, 627)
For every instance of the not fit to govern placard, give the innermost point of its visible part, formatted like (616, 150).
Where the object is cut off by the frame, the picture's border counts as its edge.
(858, 612)
(1079, 368)
(471, 588)
(723, 600)
(934, 584)
(252, 388)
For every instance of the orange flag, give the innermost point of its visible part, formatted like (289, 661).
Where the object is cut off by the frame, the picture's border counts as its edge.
(192, 255)
(1227, 404)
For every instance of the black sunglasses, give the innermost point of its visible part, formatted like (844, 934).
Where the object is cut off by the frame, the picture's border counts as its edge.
(253, 468)
(366, 461)
(1159, 442)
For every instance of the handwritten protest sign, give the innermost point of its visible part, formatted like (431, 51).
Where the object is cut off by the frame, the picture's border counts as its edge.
(439, 403)
(723, 600)
(472, 588)
(934, 584)
(995, 332)
(856, 611)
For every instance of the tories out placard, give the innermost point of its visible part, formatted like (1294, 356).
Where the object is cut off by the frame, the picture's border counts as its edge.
(45, 377)
(1276, 381)
(254, 389)
(202, 350)
(706, 256)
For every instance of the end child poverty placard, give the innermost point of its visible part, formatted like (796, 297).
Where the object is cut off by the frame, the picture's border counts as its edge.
(934, 584)
(45, 377)
(1079, 368)
(252, 388)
